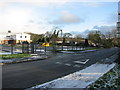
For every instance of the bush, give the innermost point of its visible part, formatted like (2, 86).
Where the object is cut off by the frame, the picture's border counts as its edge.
(118, 59)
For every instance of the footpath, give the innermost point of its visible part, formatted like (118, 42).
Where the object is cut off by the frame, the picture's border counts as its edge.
(25, 59)
(34, 57)
(82, 78)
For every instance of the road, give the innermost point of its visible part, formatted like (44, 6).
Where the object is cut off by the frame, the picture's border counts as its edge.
(28, 74)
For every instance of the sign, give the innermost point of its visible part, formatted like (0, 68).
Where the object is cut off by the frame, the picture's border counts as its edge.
(46, 44)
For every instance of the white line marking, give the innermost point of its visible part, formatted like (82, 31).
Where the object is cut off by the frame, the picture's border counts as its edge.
(58, 63)
(76, 66)
(67, 64)
(83, 62)
(78, 54)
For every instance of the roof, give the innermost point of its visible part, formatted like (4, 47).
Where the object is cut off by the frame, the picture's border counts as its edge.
(8, 38)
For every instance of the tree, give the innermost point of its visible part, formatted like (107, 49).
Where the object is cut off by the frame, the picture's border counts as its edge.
(36, 38)
(95, 36)
(66, 36)
(54, 37)
(86, 44)
(78, 36)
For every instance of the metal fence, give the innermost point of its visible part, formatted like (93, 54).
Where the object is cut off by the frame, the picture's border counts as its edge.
(37, 48)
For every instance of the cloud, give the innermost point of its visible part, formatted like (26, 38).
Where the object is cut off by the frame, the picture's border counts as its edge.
(59, 1)
(40, 3)
(92, 4)
(113, 18)
(67, 18)
(2, 4)
(14, 18)
(56, 3)
(31, 21)
(104, 29)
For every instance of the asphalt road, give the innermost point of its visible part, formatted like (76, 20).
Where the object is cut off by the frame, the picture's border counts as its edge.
(28, 74)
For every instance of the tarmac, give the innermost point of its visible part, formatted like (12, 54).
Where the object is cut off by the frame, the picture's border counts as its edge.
(79, 79)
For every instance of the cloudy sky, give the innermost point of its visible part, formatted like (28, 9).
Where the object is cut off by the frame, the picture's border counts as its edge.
(39, 16)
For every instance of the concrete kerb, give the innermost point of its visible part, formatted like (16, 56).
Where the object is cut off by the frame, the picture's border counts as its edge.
(71, 52)
(65, 80)
(106, 63)
(33, 58)
(109, 60)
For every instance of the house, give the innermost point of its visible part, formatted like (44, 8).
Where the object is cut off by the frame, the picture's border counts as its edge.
(14, 38)
(21, 37)
(70, 41)
(6, 38)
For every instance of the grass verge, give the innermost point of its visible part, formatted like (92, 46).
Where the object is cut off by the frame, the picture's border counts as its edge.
(110, 80)
(12, 56)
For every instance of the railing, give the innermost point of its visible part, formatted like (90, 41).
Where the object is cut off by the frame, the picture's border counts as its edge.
(37, 48)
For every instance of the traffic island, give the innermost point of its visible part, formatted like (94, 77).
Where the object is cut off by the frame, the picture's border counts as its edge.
(79, 79)
(31, 57)
(85, 77)
(110, 80)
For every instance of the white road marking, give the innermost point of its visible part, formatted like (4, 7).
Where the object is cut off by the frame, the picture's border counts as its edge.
(58, 63)
(67, 64)
(78, 54)
(83, 62)
(60, 56)
(76, 66)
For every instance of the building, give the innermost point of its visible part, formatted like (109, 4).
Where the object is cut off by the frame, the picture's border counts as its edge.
(6, 38)
(14, 38)
(21, 37)
(118, 23)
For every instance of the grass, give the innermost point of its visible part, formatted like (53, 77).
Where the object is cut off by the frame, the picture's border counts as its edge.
(109, 80)
(11, 56)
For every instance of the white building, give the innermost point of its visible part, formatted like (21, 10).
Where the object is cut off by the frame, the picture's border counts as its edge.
(7, 38)
(118, 23)
(20, 37)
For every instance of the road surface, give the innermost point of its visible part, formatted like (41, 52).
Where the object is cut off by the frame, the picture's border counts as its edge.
(28, 74)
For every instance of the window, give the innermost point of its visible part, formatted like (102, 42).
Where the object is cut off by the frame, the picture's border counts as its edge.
(25, 36)
(7, 36)
(20, 36)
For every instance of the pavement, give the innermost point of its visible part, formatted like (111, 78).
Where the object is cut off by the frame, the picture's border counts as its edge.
(82, 78)
(27, 75)
(25, 59)
(79, 79)
(33, 58)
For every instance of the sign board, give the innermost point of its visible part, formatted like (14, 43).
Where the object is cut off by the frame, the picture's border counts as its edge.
(46, 44)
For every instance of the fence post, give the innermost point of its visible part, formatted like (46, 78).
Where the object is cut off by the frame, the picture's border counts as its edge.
(32, 48)
(35, 47)
(62, 46)
(11, 48)
(22, 47)
(27, 47)
(45, 49)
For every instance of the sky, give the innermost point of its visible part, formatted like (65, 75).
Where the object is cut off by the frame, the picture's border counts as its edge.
(74, 16)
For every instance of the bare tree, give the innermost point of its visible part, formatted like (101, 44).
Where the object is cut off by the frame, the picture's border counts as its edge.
(78, 36)
(54, 37)
(65, 36)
